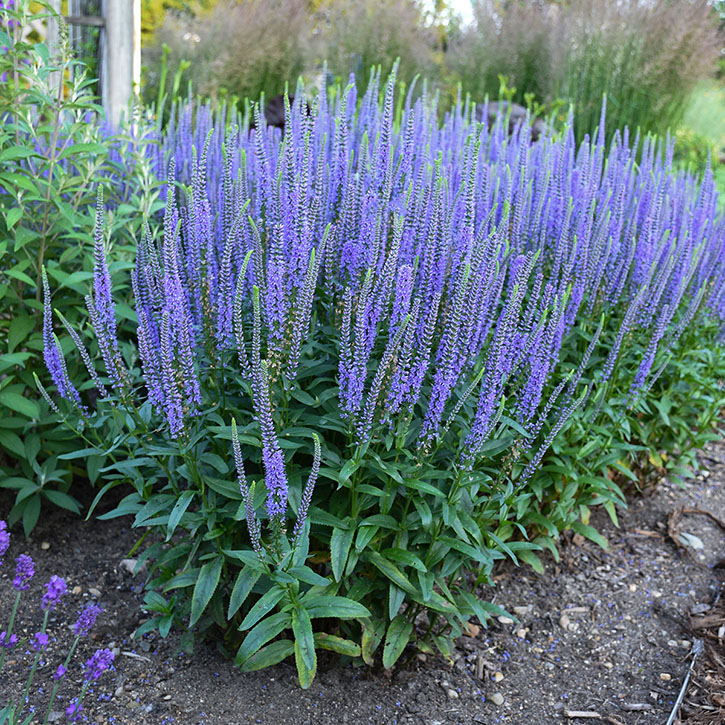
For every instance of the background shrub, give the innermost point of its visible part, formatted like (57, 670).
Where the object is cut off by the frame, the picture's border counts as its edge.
(355, 37)
(243, 48)
(645, 56)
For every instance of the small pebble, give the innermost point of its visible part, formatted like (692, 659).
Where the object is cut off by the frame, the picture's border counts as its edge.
(94, 592)
(672, 643)
(505, 620)
(498, 676)
(496, 698)
(452, 694)
(665, 676)
(45, 546)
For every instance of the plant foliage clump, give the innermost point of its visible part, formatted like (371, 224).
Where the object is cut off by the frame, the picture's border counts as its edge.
(370, 338)
(53, 157)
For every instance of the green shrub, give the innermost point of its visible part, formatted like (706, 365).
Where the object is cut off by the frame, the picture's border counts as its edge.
(53, 158)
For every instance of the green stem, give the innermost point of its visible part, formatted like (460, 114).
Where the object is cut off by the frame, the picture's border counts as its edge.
(9, 629)
(57, 684)
(21, 704)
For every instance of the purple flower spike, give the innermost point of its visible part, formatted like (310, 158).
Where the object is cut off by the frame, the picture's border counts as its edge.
(73, 711)
(39, 641)
(86, 620)
(8, 641)
(4, 540)
(23, 572)
(54, 590)
(59, 674)
(98, 663)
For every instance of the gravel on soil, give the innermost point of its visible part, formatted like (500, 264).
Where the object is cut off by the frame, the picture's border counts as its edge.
(601, 635)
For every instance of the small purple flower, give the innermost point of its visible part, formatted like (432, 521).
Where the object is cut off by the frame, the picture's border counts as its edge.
(54, 590)
(97, 664)
(59, 674)
(39, 641)
(23, 572)
(4, 539)
(8, 641)
(86, 620)
(73, 711)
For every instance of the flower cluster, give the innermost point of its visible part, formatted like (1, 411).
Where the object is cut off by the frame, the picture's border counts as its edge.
(55, 589)
(24, 572)
(451, 262)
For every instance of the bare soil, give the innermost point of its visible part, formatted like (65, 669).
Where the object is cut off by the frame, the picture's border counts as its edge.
(603, 632)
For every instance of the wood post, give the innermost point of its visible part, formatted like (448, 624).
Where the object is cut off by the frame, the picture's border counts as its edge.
(52, 40)
(121, 70)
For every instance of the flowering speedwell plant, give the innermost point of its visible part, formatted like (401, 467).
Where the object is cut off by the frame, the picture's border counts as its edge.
(381, 325)
(55, 589)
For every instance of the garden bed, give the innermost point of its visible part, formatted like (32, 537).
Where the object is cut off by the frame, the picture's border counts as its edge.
(604, 632)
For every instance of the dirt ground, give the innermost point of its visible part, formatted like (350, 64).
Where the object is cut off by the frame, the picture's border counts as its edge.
(602, 633)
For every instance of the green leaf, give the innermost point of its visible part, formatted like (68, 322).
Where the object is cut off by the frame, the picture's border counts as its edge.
(307, 575)
(369, 641)
(404, 557)
(12, 217)
(318, 516)
(62, 500)
(532, 560)
(423, 487)
(270, 655)
(246, 556)
(263, 606)
(305, 674)
(11, 442)
(396, 639)
(396, 597)
(340, 543)
(383, 520)
(260, 634)
(246, 579)
(391, 571)
(590, 533)
(12, 153)
(304, 640)
(178, 511)
(205, 587)
(82, 148)
(31, 513)
(19, 404)
(182, 580)
(18, 274)
(337, 644)
(323, 605)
